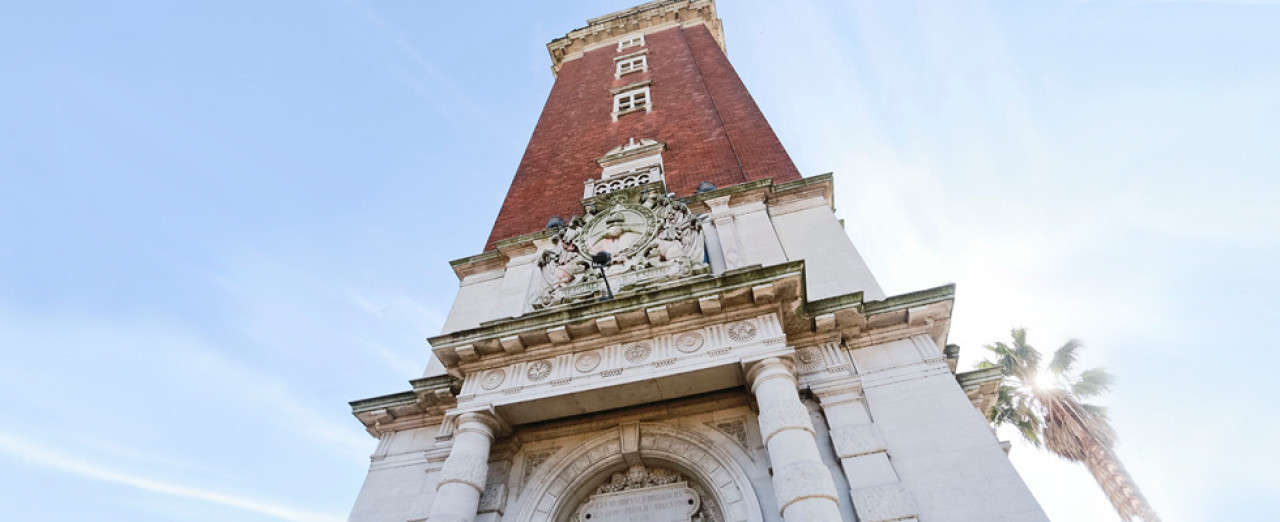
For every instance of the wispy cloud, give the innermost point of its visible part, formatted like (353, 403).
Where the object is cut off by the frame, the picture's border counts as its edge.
(450, 97)
(54, 460)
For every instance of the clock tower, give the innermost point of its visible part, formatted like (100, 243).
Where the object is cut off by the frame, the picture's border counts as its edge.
(668, 322)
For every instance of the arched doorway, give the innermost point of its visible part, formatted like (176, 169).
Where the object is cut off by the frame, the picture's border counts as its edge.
(641, 456)
(648, 492)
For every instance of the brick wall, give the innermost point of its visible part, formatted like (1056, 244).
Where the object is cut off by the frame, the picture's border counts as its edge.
(713, 129)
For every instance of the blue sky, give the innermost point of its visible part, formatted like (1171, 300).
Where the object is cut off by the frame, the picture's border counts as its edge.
(221, 221)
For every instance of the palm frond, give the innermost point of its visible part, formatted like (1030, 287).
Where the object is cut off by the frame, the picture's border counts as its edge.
(1027, 354)
(1016, 409)
(1052, 414)
(1092, 383)
(1100, 412)
(1064, 357)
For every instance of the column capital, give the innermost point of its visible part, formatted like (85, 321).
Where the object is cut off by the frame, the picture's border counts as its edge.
(776, 367)
(483, 420)
(479, 422)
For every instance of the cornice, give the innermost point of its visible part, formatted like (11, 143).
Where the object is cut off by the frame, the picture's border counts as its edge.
(647, 307)
(982, 386)
(658, 15)
(423, 405)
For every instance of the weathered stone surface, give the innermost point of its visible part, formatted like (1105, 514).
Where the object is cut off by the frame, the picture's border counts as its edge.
(853, 441)
(883, 503)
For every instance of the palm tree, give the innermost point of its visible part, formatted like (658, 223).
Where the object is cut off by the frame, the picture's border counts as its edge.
(1048, 407)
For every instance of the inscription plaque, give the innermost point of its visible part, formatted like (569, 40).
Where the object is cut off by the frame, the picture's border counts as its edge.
(670, 503)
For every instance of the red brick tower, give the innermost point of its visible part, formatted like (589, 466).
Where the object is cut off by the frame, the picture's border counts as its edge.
(668, 82)
(724, 354)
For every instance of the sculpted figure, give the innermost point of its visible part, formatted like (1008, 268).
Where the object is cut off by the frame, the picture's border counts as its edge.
(564, 266)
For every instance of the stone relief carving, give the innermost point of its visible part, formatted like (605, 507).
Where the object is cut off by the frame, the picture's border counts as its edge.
(640, 476)
(650, 236)
(587, 361)
(734, 429)
(657, 354)
(810, 358)
(741, 331)
(539, 370)
(535, 459)
(689, 342)
(493, 379)
(638, 351)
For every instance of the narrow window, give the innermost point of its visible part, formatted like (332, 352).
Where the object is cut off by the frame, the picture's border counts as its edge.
(631, 100)
(634, 41)
(631, 64)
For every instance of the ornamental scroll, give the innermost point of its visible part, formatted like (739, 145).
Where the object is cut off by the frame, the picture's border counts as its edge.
(650, 236)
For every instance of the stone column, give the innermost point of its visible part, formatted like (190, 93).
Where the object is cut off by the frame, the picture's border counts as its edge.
(801, 482)
(463, 477)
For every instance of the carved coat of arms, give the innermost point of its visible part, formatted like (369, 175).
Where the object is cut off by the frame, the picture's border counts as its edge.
(649, 236)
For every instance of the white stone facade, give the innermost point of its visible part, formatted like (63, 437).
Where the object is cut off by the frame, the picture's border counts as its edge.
(782, 386)
(731, 360)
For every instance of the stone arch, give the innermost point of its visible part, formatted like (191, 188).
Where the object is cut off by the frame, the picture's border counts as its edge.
(556, 489)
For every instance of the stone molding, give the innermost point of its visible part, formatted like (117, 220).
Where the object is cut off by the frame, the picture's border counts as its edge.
(569, 477)
(768, 368)
(823, 360)
(664, 354)
(480, 418)
(837, 392)
(931, 362)
(654, 16)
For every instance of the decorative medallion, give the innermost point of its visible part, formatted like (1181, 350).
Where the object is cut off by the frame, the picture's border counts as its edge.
(741, 331)
(587, 361)
(689, 342)
(809, 357)
(649, 236)
(539, 370)
(492, 379)
(636, 352)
